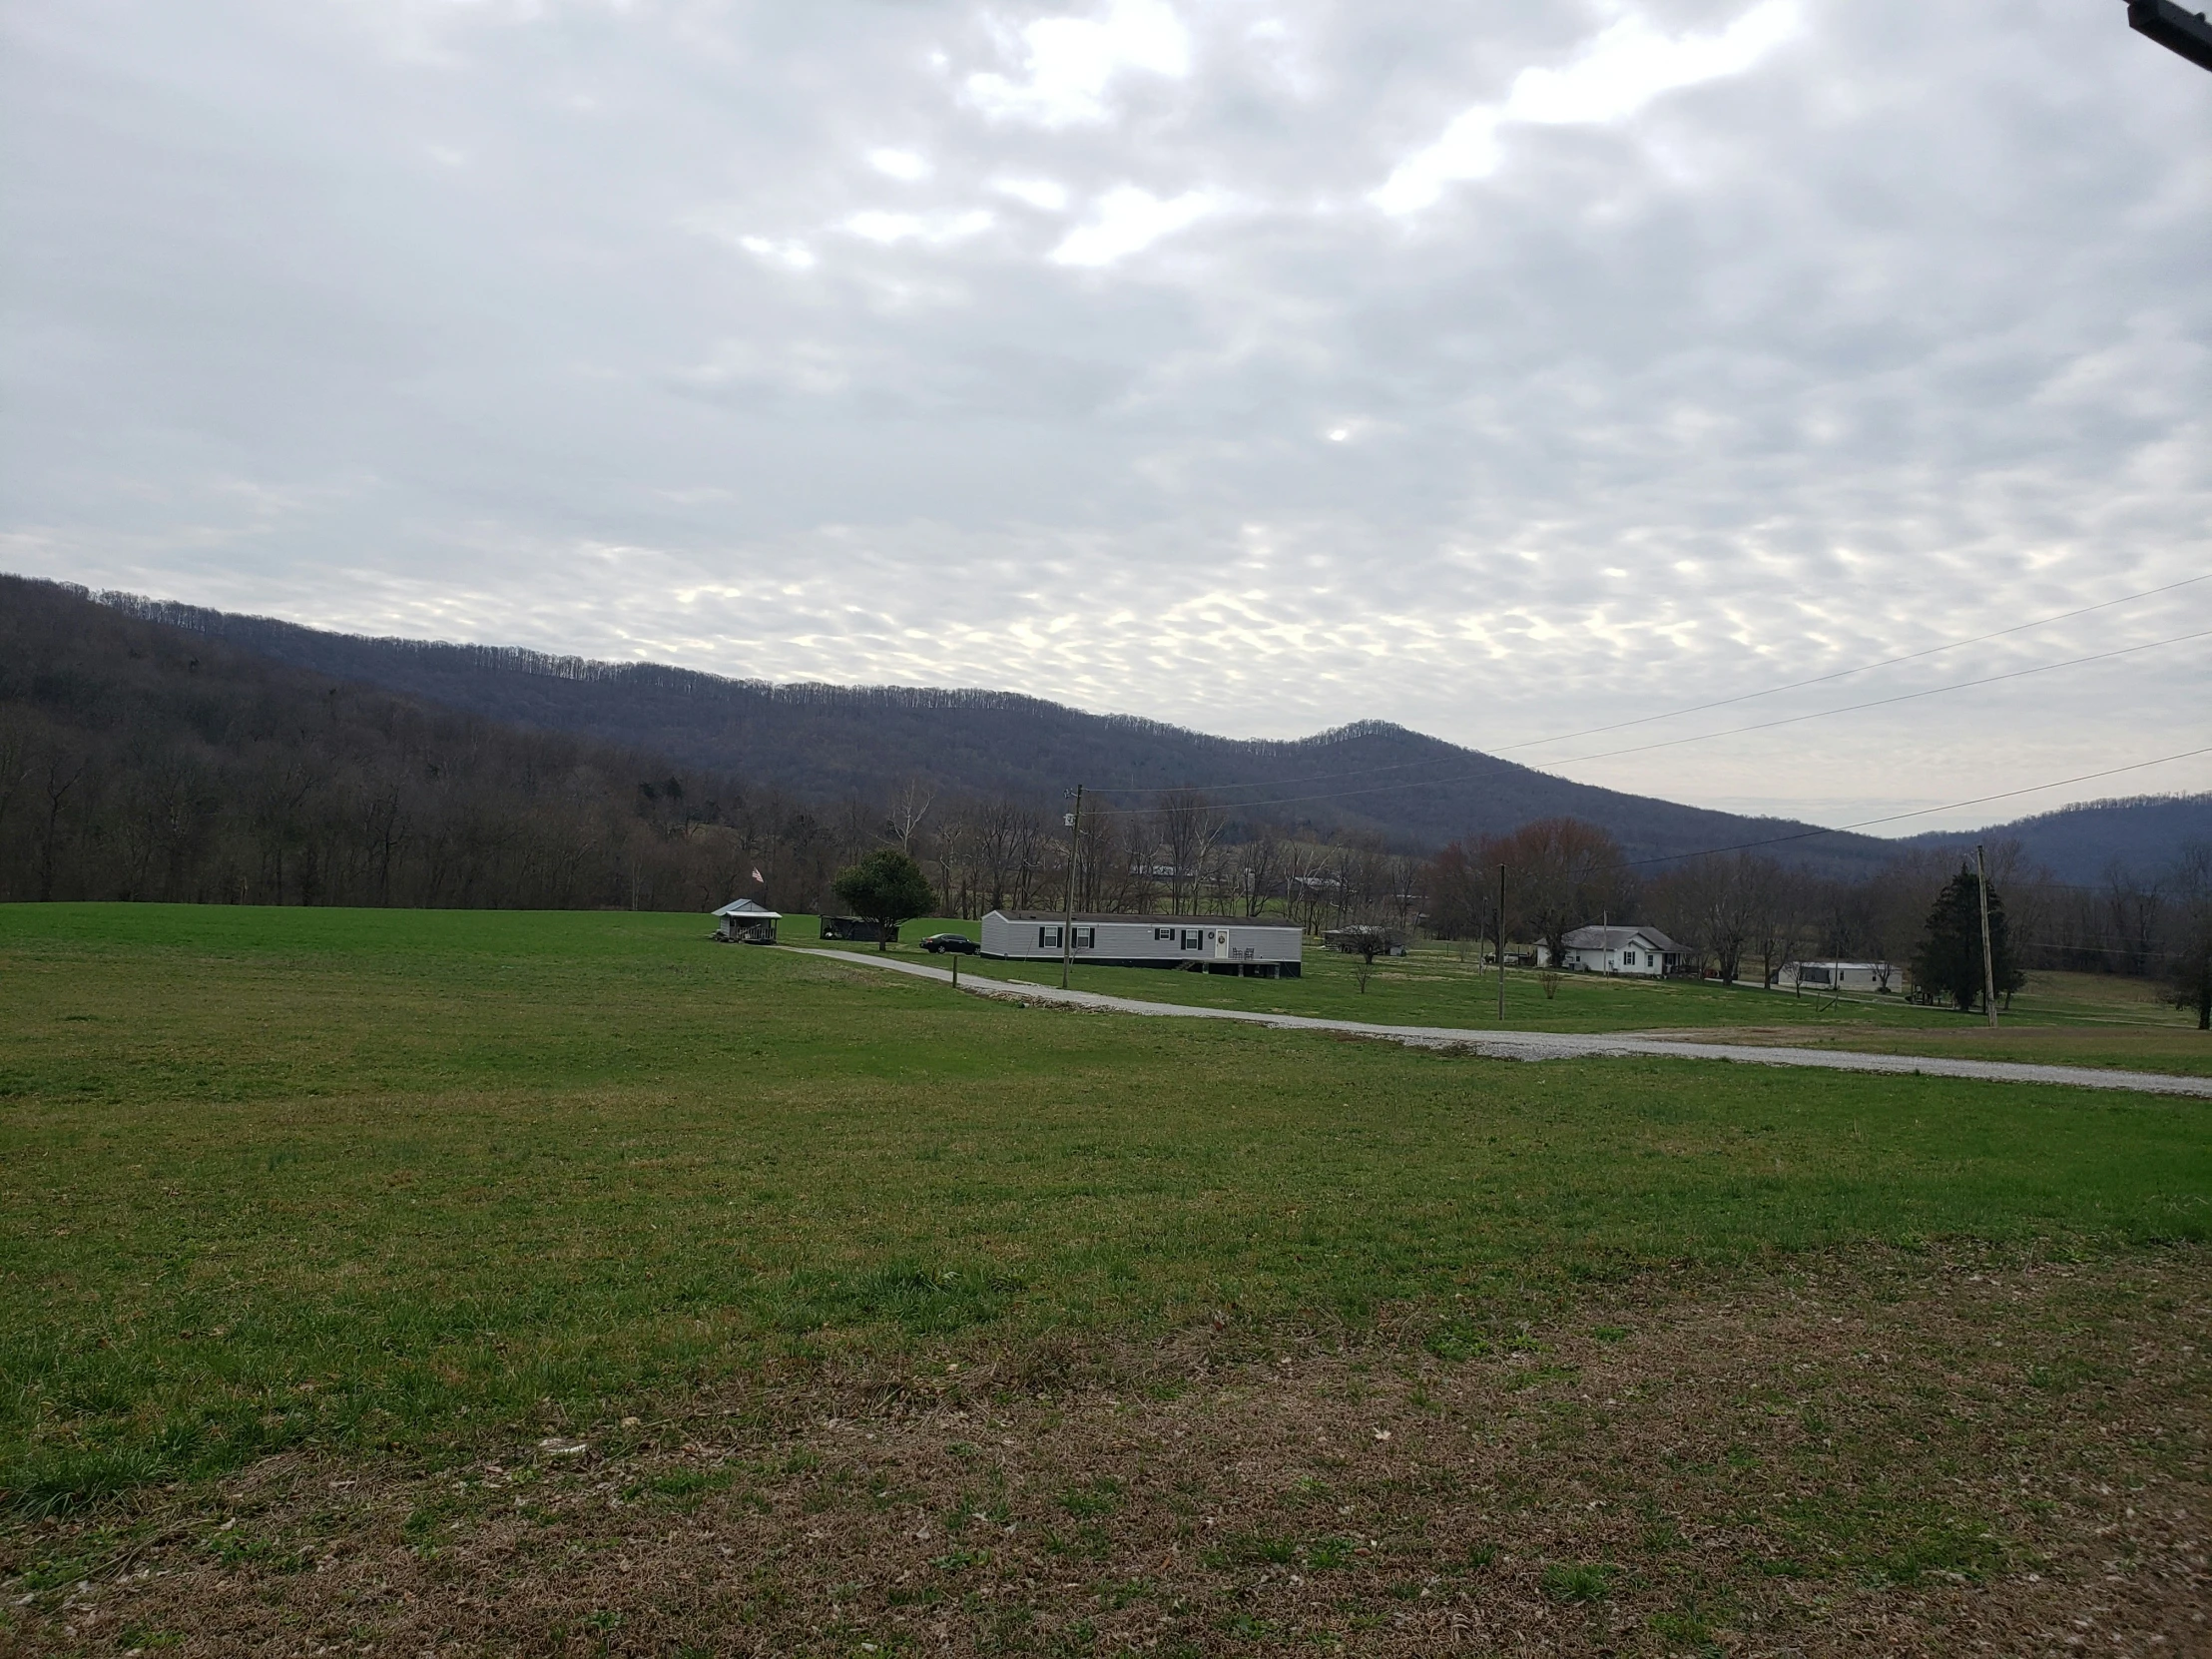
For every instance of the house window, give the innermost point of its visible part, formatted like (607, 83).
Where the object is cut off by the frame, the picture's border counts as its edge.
(1193, 938)
(1628, 958)
(1163, 933)
(1048, 938)
(1086, 938)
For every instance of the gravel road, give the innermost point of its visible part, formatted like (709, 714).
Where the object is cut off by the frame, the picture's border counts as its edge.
(1560, 1045)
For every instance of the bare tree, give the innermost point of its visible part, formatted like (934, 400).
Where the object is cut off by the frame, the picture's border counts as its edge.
(1564, 873)
(63, 771)
(2132, 907)
(1186, 825)
(909, 806)
(1003, 839)
(2189, 960)
(15, 763)
(1258, 871)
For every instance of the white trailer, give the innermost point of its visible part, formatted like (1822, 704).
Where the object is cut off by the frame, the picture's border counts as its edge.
(1214, 945)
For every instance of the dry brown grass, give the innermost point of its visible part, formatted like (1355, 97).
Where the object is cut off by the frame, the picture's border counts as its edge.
(1876, 1454)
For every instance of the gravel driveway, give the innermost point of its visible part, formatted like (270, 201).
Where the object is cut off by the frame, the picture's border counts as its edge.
(1560, 1045)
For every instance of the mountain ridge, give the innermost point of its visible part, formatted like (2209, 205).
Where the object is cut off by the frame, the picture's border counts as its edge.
(827, 740)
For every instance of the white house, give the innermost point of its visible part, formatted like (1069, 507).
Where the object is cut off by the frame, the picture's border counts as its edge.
(1833, 975)
(1217, 944)
(745, 923)
(1644, 951)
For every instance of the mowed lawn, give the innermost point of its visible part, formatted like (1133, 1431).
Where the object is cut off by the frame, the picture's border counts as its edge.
(2058, 1018)
(410, 1182)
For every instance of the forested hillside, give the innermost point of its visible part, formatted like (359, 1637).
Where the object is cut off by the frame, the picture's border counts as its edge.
(833, 742)
(141, 761)
(2097, 840)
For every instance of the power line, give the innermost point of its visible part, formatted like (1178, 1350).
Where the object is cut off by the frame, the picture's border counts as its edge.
(1922, 812)
(1674, 714)
(1862, 668)
(1703, 737)
(1884, 702)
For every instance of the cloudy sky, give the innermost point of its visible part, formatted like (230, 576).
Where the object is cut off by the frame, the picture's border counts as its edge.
(1499, 367)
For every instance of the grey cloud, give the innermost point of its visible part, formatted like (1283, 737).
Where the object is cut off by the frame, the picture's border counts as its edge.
(548, 323)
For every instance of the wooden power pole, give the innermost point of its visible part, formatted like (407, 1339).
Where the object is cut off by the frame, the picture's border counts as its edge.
(1067, 925)
(1989, 960)
(1501, 945)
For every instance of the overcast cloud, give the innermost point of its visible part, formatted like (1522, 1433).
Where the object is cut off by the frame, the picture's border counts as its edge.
(1500, 368)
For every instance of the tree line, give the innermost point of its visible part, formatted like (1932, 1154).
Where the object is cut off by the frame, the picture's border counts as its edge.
(1741, 915)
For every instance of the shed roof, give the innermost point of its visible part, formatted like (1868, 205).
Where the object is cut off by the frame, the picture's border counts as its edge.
(745, 908)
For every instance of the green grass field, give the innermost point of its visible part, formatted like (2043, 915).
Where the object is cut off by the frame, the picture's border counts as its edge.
(2060, 1018)
(412, 1184)
(283, 1174)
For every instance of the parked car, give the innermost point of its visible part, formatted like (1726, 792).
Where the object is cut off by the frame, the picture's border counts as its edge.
(959, 943)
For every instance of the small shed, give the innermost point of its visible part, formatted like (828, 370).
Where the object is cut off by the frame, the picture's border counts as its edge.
(745, 923)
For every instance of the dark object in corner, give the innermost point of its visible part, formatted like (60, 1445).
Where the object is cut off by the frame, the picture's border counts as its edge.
(2186, 32)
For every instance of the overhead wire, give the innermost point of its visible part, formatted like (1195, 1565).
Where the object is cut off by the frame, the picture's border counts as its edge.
(1884, 702)
(1670, 714)
(1703, 737)
(1921, 811)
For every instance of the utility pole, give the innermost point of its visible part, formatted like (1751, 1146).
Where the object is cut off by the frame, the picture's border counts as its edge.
(1067, 926)
(1501, 945)
(1988, 962)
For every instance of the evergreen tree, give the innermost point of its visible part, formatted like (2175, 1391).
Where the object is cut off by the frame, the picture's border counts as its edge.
(1946, 965)
(885, 887)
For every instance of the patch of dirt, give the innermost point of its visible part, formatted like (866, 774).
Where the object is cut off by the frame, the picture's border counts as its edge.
(1892, 1454)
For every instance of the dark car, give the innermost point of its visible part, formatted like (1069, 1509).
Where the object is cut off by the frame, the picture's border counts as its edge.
(959, 943)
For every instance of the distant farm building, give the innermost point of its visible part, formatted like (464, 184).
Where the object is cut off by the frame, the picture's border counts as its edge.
(1643, 951)
(855, 932)
(1214, 945)
(1834, 976)
(745, 923)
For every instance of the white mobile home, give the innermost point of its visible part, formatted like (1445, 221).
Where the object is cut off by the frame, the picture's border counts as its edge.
(1216, 944)
(1834, 976)
(1644, 951)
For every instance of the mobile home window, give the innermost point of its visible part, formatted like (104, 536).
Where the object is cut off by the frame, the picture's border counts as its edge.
(1086, 938)
(1163, 933)
(1048, 938)
(1193, 939)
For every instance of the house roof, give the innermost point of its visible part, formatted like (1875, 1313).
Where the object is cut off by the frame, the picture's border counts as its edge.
(1088, 917)
(1615, 938)
(745, 908)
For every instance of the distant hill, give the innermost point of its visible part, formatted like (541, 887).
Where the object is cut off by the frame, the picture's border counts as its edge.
(140, 762)
(831, 741)
(2079, 843)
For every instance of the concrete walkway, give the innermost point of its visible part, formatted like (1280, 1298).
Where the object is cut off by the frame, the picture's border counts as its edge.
(1560, 1045)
